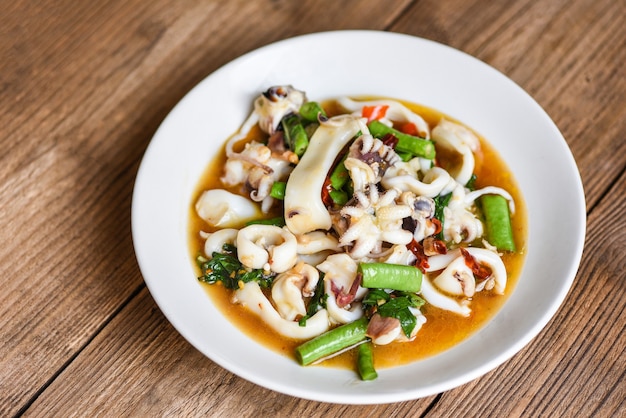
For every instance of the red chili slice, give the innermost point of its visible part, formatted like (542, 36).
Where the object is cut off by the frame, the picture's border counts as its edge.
(437, 224)
(374, 112)
(418, 251)
(409, 128)
(480, 271)
(328, 201)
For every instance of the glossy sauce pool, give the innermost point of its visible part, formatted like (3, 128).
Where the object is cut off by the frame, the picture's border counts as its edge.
(442, 329)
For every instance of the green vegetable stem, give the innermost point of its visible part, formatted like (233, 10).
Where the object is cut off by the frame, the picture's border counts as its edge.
(340, 185)
(391, 276)
(278, 221)
(310, 110)
(332, 341)
(278, 190)
(498, 222)
(339, 197)
(365, 362)
(296, 137)
(419, 147)
(340, 175)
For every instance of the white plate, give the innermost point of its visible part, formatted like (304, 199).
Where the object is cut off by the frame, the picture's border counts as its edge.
(356, 63)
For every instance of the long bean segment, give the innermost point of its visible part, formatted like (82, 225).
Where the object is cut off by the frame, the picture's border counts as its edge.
(365, 362)
(339, 197)
(419, 147)
(295, 134)
(278, 221)
(278, 190)
(498, 222)
(311, 110)
(340, 175)
(340, 186)
(391, 276)
(331, 342)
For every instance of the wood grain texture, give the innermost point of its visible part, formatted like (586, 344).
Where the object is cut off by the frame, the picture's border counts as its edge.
(84, 86)
(150, 370)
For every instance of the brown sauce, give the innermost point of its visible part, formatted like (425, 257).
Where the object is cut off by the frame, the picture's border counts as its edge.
(443, 329)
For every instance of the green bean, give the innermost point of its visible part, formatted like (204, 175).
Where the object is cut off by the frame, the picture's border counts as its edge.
(498, 222)
(419, 147)
(278, 221)
(278, 190)
(405, 156)
(297, 139)
(339, 197)
(340, 176)
(331, 341)
(310, 110)
(365, 362)
(391, 276)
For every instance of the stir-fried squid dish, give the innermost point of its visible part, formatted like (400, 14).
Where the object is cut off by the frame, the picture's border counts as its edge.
(338, 225)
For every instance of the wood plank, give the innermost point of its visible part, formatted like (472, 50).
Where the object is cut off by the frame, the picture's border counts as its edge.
(68, 267)
(140, 366)
(577, 365)
(566, 54)
(84, 87)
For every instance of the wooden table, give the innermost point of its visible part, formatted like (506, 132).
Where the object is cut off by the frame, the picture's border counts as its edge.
(84, 85)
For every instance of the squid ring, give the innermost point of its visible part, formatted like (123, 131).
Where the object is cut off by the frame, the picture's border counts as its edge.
(217, 239)
(267, 247)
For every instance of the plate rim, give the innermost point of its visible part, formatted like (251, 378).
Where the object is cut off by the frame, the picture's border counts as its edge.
(367, 397)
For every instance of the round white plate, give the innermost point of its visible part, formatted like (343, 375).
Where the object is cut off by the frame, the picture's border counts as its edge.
(327, 65)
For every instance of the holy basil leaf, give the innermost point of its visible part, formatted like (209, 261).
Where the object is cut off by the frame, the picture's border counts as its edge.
(398, 307)
(394, 305)
(264, 280)
(440, 203)
(414, 300)
(226, 268)
(471, 183)
(407, 321)
(374, 297)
